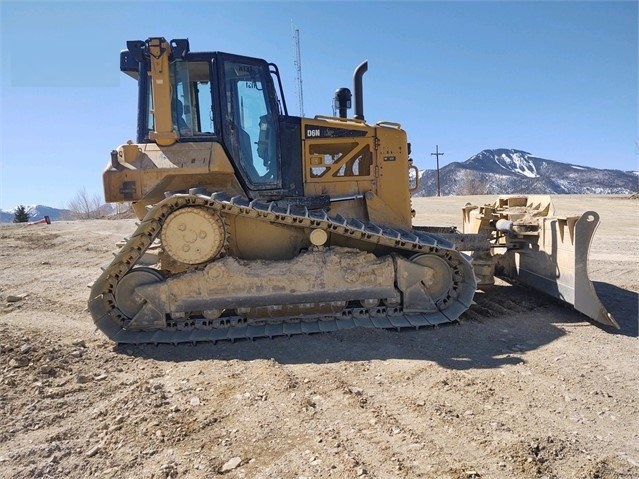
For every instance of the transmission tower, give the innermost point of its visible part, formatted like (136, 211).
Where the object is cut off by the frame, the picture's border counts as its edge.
(297, 62)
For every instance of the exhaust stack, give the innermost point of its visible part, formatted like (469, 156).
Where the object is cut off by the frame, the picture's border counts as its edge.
(357, 90)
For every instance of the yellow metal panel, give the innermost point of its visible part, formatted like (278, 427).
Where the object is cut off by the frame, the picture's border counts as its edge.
(339, 159)
(146, 171)
(392, 183)
(160, 80)
(343, 157)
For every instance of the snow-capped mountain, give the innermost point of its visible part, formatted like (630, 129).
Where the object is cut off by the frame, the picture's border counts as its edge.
(505, 161)
(507, 171)
(36, 212)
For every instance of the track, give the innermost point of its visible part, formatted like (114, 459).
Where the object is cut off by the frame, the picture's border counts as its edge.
(111, 321)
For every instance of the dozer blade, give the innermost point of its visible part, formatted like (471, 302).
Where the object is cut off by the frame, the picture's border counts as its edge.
(558, 264)
(546, 253)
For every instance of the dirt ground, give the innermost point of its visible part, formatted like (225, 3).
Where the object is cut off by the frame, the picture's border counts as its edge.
(527, 389)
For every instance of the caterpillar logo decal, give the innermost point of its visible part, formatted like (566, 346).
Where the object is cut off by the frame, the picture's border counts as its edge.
(312, 131)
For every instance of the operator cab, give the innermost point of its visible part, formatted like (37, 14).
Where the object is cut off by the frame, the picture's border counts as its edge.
(218, 97)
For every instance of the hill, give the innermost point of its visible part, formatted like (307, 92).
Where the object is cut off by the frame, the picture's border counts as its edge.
(37, 212)
(509, 171)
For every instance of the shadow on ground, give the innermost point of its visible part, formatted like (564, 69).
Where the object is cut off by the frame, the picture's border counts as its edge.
(623, 305)
(462, 346)
(487, 342)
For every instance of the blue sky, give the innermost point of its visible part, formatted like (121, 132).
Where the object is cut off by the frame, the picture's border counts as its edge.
(557, 79)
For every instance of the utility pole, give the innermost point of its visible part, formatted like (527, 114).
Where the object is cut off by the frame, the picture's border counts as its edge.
(437, 154)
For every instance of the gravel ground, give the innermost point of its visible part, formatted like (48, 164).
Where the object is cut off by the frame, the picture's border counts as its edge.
(522, 388)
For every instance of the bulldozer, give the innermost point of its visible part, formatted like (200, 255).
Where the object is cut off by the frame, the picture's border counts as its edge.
(258, 223)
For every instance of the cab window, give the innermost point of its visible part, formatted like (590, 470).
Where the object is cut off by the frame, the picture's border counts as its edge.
(192, 100)
(253, 128)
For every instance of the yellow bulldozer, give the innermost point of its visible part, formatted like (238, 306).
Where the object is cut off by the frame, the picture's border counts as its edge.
(257, 223)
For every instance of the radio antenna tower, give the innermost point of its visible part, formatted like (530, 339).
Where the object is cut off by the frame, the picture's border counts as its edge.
(297, 62)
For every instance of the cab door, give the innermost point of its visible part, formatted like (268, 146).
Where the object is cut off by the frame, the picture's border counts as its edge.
(250, 121)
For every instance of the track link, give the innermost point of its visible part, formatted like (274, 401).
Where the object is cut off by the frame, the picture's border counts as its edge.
(111, 321)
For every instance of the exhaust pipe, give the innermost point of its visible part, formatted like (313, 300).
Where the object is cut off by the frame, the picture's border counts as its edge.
(357, 90)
